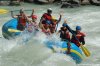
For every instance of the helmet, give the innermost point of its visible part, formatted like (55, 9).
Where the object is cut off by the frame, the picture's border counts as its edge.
(21, 10)
(78, 28)
(34, 17)
(64, 24)
(49, 10)
(54, 18)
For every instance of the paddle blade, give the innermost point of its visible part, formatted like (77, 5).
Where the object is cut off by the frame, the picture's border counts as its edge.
(85, 50)
(13, 30)
(3, 11)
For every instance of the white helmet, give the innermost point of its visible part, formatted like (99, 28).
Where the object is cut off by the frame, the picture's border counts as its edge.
(49, 10)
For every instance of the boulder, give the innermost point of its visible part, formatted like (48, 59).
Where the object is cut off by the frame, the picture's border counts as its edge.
(43, 1)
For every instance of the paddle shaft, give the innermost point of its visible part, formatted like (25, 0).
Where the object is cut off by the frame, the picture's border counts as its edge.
(19, 10)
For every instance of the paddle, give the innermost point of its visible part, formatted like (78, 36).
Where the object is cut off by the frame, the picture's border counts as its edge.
(3, 11)
(84, 49)
(14, 30)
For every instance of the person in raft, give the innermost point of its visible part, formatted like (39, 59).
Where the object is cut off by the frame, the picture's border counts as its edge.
(45, 21)
(65, 36)
(33, 24)
(22, 19)
(54, 23)
(64, 33)
(79, 35)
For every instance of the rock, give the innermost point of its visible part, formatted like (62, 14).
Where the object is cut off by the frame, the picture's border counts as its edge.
(93, 2)
(70, 4)
(43, 1)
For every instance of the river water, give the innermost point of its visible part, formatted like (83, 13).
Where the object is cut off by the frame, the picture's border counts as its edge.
(35, 53)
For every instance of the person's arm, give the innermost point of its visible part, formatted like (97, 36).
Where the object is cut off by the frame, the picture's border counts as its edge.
(40, 23)
(12, 15)
(32, 12)
(42, 18)
(59, 18)
(58, 31)
(66, 22)
(25, 16)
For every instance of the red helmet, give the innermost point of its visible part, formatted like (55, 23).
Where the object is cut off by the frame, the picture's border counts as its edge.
(34, 16)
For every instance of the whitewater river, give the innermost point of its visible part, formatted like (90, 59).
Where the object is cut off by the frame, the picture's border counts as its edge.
(35, 53)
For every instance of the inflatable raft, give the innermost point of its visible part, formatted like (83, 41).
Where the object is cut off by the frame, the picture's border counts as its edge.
(11, 24)
(76, 53)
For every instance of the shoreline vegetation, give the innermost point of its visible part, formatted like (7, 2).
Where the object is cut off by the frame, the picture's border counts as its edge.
(63, 3)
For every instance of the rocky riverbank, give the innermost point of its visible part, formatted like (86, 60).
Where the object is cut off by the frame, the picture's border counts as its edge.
(64, 3)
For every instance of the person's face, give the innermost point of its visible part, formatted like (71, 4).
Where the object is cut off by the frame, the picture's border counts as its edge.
(54, 21)
(78, 31)
(65, 28)
(34, 19)
(21, 12)
(49, 12)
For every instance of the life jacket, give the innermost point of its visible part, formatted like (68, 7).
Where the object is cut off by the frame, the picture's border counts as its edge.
(21, 20)
(47, 17)
(80, 36)
(64, 35)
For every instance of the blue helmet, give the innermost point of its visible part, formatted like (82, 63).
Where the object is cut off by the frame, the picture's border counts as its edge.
(64, 24)
(78, 28)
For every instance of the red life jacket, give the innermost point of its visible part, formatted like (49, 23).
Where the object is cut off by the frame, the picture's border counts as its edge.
(64, 34)
(47, 16)
(21, 20)
(78, 36)
(67, 35)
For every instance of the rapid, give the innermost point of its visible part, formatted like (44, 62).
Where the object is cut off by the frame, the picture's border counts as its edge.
(16, 52)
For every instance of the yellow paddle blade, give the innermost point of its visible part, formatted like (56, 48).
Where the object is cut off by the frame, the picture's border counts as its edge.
(14, 30)
(85, 50)
(3, 11)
